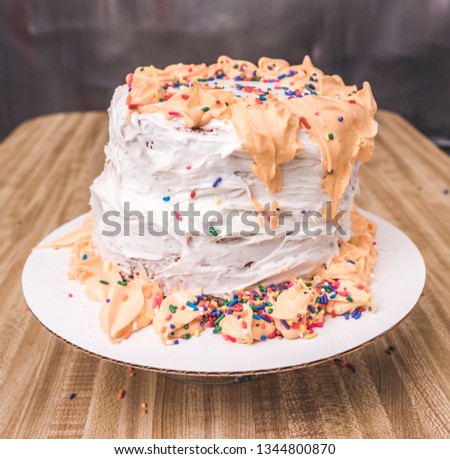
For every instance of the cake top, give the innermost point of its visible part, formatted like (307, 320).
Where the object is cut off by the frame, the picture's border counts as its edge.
(268, 104)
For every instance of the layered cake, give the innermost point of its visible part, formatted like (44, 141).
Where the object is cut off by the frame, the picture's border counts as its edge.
(226, 203)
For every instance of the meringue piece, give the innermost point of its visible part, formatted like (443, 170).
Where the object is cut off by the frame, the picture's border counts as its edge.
(130, 307)
(290, 309)
(176, 319)
(245, 328)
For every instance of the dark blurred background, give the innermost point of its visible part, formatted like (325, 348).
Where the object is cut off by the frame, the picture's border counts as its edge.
(60, 55)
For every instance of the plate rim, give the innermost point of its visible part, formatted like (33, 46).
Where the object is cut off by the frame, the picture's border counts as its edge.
(218, 374)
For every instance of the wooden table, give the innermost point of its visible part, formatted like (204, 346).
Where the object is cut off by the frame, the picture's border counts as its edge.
(47, 165)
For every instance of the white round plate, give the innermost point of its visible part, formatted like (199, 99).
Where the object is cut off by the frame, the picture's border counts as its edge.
(398, 282)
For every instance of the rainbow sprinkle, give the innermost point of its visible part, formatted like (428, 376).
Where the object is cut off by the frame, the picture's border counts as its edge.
(216, 182)
(213, 231)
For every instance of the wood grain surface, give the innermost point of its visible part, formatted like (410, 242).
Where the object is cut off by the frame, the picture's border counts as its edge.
(47, 165)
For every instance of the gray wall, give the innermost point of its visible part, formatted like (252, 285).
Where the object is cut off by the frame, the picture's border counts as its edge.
(59, 55)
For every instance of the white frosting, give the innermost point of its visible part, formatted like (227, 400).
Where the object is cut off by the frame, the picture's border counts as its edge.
(146, 160)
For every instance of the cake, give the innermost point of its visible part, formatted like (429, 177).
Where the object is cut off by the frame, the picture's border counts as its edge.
(226, 203)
